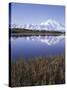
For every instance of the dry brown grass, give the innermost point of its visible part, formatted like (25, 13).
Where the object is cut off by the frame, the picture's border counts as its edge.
(38, 71)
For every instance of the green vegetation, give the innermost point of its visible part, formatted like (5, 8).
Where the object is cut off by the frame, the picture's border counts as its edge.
(38, 71)
(27, 32)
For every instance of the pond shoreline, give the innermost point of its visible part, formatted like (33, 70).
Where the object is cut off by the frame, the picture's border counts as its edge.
(27, 32)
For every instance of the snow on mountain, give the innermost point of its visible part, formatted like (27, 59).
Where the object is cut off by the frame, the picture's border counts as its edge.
(47, 25)
(53, 25)
(32, 26)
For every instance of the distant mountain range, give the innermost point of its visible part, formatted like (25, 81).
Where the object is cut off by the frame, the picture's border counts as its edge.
(47, 25)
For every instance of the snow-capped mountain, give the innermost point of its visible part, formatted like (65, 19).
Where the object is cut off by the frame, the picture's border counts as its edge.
(53, 25)
(32, 26)
(47, 25)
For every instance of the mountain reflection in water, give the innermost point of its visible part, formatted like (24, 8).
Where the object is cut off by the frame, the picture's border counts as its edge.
(49, 40)
(35, 46)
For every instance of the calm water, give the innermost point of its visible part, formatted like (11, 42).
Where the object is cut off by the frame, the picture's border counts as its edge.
(28, 47)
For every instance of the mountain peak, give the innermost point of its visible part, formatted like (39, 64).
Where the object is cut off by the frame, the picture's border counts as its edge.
(51, 24)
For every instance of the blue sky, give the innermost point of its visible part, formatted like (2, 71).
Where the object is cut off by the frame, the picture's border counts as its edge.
(36, 13)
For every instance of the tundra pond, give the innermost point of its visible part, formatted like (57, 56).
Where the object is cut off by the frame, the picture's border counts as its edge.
(35, 46)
